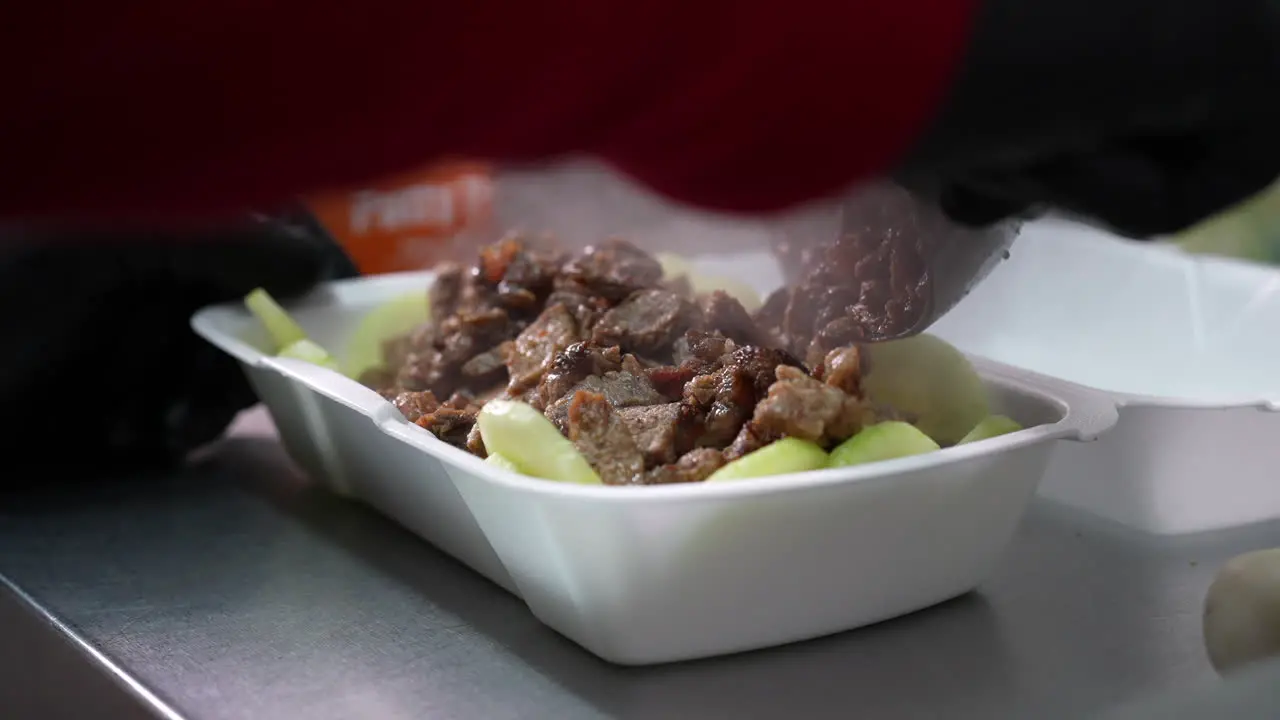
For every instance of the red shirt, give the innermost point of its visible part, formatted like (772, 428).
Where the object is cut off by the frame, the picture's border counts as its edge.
(210, 106)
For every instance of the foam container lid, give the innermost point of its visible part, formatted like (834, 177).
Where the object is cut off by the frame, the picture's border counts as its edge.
(641, 575)
(1186, 346)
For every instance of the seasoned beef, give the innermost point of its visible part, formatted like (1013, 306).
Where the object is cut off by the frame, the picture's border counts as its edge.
(475, 443)
(621, 389)
(414, 405)
(750, 438)
(449, 424)
(570, 367)
(647, 323)
(613, 269)
(842, 368)
(771, 315)
(422, 369)
(694, 466)
(488, 363)
(603, 440)
(701, 349)
(724, 314)
(656, 430)
(536, 347)
(800, 406)
(445, 295)
(585, 308)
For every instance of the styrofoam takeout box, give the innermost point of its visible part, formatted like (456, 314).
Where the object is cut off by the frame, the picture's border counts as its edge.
(643, 575)
(1188, 347)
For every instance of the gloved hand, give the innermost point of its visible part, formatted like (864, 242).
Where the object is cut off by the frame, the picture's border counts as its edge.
(102, 371)
(1145, 116)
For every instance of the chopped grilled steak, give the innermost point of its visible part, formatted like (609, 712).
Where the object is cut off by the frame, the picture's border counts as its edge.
(800, 406)
(771, 316)
(449, 424)
(603, 440)
(621, 389)
(679, 285)
(570, 367)
(694, 466)
(475, 443)
(414, 405)
(842, 368)
(751, 438)
(421, 369)
(613, 269)
(487, 363)
(536, 347)
(647, 323)
(701, 350)
(655, 429)
(670, 380)
(445, 295)
(463, 400)
(585, 308)
(725, 314)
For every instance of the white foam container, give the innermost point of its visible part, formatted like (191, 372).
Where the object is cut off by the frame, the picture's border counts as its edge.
(1188, 348)
(641, 575)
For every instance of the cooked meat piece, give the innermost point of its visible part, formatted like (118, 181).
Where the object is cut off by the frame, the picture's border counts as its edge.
(450, 425)
(750, 438)
(570, 367)
(800, 406)
(694, 466)
(842, 332)
(414, 405)
(647, 323)
(533, 270)
(487, 363)
(632, 364)
(462, 400)
(730, 407)
(724, 314)
(468, 334)
(670, 380)
(760, 362)
(769, 318)
(603, 439)
(585, 308)
(496, 258)
(842, 368)
(703, 349)
(536, 347)
(445, 295)
(655, 429)
(621, 389)
(475, 443)
(614, 269)
(679, 285)
(422, 370)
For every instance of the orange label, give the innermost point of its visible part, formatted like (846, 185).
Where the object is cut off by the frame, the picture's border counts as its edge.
(408, 222)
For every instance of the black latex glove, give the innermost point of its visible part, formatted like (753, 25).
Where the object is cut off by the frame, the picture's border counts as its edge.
(1142, 115)
(102, 371)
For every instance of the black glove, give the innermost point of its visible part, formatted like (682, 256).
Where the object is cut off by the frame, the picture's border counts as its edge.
(103, 372)
(1145, 116)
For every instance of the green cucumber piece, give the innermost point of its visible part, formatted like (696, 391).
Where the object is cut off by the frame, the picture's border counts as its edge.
(788, 455)
(523, 435)
(882, 441)
(991, 426)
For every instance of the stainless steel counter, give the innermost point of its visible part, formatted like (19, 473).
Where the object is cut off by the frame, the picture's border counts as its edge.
(235, 590)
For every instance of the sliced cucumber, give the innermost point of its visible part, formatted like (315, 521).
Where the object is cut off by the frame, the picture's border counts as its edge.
(499, 460)
(527, 438)
(393, 317)
(882, 441)
(306, 350)
(930, 381)
(991, 426)
(280, 327)
(788, 455)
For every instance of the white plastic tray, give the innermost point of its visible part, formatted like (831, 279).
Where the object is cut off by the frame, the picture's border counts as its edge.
(653, 574)
(1189, 348)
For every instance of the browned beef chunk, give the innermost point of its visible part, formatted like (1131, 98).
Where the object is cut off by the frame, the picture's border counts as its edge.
(770, 317)
(800, 406)
(449, 424)
(445, 295)
(842, 368)
(724, 314)
(701, 349)
(603, 439)
(613, 269)
(621, 389)
(694, 466)
(488, 363)
(570, 367)
(726, 397)
(475, 443)
(414, 405)
(669, 380)
(655, 429)
(749, 439)
(679, 285)
(422, 369)
(647, 323)
(585, 308)
(437, 360)
(536, 347)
